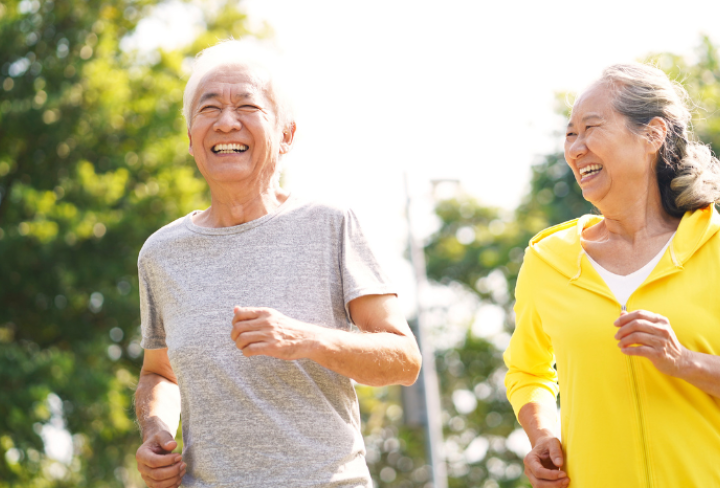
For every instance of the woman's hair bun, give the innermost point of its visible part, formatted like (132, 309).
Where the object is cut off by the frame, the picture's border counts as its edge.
(687, 171)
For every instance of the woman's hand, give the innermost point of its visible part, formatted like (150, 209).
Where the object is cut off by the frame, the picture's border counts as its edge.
(543, 463)
(651, 336)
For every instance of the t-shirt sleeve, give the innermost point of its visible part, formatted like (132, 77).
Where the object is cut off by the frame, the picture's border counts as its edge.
(361, 273)
(151, 324)
(529, 358)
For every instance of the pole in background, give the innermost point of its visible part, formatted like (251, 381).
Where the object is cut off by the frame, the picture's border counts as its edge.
(428, 392)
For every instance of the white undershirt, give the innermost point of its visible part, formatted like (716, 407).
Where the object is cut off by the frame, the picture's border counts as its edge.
(624, 286)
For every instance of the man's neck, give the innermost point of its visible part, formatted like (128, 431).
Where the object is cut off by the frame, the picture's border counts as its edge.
(228, 208)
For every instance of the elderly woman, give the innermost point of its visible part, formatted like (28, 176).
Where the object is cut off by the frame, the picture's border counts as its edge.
(626, 303)
(247, 308)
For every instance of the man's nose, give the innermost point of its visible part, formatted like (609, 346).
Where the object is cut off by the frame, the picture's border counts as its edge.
(228, 121)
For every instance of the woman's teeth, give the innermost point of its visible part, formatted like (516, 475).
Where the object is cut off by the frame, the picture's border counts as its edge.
(229, 148)
(590, 169)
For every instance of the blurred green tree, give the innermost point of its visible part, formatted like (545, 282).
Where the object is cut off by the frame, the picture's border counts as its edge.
(93, 159)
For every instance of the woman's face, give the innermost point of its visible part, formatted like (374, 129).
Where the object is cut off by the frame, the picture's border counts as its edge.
(234, 134)
(610, 162)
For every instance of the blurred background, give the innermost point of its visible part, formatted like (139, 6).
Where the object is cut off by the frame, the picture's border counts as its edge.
(466, 99)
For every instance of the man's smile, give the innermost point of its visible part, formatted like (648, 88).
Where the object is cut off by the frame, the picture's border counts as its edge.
(229, 148)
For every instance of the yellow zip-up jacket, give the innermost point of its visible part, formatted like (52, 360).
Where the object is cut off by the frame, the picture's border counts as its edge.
(624, 423)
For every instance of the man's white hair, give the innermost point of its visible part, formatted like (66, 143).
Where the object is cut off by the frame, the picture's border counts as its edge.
(244, 53)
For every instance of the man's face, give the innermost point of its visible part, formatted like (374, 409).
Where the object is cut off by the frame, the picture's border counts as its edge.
(234, 134)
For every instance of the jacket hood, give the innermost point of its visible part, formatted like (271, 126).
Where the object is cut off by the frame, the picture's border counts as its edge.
(560, 246)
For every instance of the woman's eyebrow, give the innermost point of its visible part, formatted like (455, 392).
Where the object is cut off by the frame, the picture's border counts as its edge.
(586, 118)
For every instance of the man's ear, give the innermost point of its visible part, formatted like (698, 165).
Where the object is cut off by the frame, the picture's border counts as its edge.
(657, 130)
(190, 149)
(288, 136)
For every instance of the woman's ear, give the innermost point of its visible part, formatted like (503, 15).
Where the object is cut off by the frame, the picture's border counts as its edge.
(656, 133)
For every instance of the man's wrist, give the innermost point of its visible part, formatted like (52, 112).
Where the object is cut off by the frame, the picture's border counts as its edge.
(152, 426)
(319, 343)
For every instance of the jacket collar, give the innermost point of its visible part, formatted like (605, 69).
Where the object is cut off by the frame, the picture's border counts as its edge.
(560, 247)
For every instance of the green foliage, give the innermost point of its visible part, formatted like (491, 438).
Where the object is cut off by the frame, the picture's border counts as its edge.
(482, 249)
(395, 452)
(93, 159)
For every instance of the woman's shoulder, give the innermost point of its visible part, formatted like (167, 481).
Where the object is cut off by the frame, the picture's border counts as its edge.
(569, 231)
(557, 247)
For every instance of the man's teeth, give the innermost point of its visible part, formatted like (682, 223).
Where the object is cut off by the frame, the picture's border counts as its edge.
(590, 169)
(229, 148)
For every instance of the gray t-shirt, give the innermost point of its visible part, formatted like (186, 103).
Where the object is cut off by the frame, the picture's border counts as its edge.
(260, 421)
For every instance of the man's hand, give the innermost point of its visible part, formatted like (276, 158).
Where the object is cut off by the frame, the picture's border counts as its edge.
(158, 465)
(383, 353)
(543, 463)
(650, 335)
(267, 332)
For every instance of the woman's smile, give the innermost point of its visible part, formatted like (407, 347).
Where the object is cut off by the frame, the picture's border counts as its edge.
(589, 172)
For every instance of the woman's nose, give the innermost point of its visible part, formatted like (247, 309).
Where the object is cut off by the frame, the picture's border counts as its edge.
(576, 148)
(228, 121)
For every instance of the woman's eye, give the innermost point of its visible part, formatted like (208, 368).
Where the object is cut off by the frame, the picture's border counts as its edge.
(208, 108)
(248, 108)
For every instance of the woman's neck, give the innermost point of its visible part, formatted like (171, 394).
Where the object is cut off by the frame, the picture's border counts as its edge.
(634, 217)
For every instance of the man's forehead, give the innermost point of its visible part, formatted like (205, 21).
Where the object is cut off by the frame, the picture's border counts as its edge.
(235, 74)
(238, 81)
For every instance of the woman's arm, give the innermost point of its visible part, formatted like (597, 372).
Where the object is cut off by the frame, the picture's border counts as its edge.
(650, 335)
(385, 353)
(531, 381)
(544, 462)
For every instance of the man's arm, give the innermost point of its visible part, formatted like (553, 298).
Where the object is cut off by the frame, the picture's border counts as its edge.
(384, 353)
(157, 404)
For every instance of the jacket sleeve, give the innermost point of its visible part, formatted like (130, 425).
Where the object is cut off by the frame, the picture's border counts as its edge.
(529, 358)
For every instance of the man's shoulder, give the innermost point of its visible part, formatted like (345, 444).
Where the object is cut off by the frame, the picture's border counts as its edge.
(312, 207)
(159, 241)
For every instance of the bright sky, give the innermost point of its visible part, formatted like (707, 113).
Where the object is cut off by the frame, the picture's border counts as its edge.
(442, 90)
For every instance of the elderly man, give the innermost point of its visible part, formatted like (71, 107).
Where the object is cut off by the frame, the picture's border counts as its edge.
(246, 309)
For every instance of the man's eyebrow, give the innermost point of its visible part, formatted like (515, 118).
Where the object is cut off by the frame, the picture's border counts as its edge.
(587, 117)
(209, 95)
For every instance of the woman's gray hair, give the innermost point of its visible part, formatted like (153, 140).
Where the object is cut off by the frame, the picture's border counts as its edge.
(687, 171)
(244, 53)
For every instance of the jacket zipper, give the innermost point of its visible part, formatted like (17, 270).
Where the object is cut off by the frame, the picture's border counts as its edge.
(641, 416)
